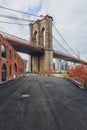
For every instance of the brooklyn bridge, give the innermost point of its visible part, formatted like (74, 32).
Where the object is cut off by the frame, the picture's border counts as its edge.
(39, 46)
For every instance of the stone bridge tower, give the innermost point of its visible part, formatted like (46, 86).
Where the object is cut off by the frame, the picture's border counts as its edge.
(41, 34)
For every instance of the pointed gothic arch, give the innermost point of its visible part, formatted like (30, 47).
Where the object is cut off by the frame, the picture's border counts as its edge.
(43, 36)
(36, 37)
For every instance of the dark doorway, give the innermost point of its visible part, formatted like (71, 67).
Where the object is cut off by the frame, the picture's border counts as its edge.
(3, 72)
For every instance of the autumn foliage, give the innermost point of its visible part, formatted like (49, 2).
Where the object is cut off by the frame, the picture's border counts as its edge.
(78, 73)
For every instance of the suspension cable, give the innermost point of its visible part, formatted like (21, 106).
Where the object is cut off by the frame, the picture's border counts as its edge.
(11, 17)
(13, 23)
(60, 44)
(65, 40)
(21, 12)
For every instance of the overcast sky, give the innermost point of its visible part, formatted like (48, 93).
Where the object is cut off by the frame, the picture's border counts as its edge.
(69, 16)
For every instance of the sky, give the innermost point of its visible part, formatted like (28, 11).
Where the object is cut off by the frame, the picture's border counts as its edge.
(69, 16)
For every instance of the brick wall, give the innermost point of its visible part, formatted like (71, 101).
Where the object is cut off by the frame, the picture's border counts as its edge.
(11, 64)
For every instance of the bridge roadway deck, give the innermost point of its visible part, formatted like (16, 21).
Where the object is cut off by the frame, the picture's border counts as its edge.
(32, 49)
(25, 46)
(38, 50)
(42, 103)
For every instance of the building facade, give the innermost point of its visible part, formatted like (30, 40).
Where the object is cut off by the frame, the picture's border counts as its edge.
(60, 65)
(11, 64)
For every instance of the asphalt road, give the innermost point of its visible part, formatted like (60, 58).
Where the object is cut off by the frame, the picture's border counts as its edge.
(42, 103)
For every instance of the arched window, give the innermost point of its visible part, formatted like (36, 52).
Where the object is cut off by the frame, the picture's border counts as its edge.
(43, 36)
(36, 37)
(15, 70)
(15, 56)
(3, 51)
(10, 54)
(10, 71)
(3, 72)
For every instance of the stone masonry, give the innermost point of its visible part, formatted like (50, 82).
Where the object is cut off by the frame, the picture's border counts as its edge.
(41, 34)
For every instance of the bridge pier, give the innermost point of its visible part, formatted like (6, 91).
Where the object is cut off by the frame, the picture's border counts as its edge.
(41, 35)
(35, 63)
(48, 60)
(43, 63)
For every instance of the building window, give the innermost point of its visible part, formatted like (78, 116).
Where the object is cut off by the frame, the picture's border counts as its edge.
(3, 72)
(3, 51)
(10, 71)
(15, 70)
(10, 54)
(15, 56)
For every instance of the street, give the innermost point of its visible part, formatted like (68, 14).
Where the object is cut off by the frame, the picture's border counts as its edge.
(42, 103)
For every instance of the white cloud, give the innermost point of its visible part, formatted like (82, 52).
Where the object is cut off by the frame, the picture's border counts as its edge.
(20, 4)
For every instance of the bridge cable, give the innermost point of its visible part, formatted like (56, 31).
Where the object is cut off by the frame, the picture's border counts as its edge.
(55, 49)
(60, 44)
(41, 16)
(11, 17)
(13, 23)
(65, 41)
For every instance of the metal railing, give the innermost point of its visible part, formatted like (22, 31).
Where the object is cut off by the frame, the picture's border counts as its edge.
(12, 37)
(21, 40)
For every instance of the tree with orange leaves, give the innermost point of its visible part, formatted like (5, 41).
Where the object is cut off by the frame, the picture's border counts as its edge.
(78, 73)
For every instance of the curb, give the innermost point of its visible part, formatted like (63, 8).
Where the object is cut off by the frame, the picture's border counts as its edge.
(77, 83)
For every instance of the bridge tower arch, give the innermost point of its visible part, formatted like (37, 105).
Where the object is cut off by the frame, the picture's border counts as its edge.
(41, 34)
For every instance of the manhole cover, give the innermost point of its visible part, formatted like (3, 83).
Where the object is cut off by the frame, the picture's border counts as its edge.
(25, 95)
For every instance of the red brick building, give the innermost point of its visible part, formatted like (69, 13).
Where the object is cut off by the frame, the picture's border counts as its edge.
(11, 64)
